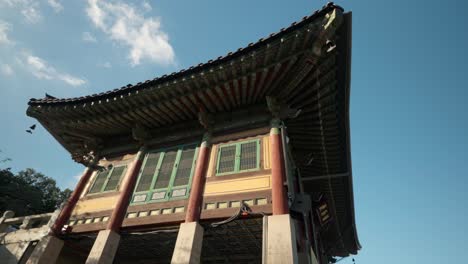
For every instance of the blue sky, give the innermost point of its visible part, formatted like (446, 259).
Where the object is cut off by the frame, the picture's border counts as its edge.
(408, 99)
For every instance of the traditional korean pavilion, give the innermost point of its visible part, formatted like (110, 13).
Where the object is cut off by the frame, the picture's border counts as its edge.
(242, 159)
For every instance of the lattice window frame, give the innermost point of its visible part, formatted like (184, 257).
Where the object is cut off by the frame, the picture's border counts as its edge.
(237, 157)
(106, 181)
(169, 190)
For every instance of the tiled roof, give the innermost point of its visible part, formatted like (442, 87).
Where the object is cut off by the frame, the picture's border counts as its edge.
(168, 77)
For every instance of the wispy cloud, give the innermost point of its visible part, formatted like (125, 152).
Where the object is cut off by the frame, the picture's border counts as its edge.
(88, 37)
(146, 6)
(42, 70)
(125, 24)
(6, 70)
(13, 3)
(38, 67)
(28, 8)
(31, 14)
(4, 29)
(56, 5)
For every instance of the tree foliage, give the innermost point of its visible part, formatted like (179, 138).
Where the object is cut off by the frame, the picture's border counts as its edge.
(4, 159)
(29, 192)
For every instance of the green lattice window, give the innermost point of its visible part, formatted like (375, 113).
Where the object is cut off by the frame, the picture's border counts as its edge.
(238, 157)
(107, 180)
(166, 175)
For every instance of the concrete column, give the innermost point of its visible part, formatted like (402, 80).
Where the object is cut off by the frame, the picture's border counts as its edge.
(70, 204)
(104, 248)
(189, 244)
(106, 244)
(278, 191)
(190, 238)
(280, 241)
(198, 183)
(46, 251)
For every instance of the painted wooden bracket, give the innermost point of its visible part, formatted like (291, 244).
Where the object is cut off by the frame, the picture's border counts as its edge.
(281, 110)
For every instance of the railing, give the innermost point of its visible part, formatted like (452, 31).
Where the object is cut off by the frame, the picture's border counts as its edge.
(25, 228)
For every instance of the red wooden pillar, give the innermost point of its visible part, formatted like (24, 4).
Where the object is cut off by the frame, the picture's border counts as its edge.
(198, 182)
(64, 215)
(118, 214)
(279, 197)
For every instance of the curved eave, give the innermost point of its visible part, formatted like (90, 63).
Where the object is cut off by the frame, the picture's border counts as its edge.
(356, 245)
(321, 143)
(350, 235)
(194, 70)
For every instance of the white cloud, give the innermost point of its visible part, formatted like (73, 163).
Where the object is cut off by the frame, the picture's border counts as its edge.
(126, 25)
(28, 8)
(72, 80)
(6, 70)
(96, 14)
(41, 70)
(4, 29)
(88, 37)
(56, 5)
(31, 14)
(13, 3)
(146, 6)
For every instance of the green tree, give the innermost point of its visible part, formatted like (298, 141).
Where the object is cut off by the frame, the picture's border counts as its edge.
(4, 159)
(29, 192)
(64, 195)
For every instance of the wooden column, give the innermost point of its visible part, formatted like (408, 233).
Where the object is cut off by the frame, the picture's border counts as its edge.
(198, 182)
(118, 214)
(189, 241)
(107, 241)
(279, 197)
(70, 204)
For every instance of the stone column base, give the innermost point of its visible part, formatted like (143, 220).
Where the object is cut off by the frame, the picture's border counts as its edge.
(189, 244)
(46, 251)
(280, 236)
(104, 248)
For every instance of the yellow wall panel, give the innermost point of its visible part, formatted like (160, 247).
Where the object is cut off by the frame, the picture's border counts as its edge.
(94, 205)
(212, 161)
(266, 152)
(250, 184)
